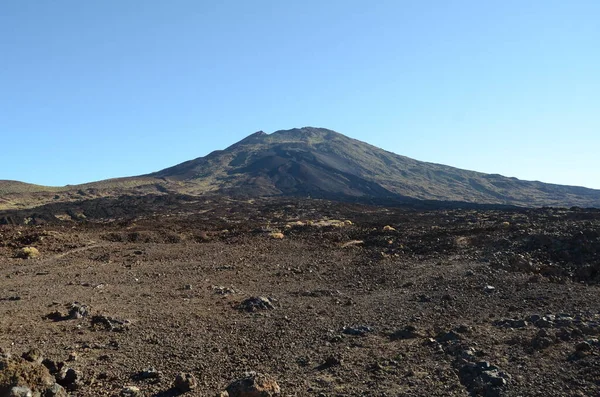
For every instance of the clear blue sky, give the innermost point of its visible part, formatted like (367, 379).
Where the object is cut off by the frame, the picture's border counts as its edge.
(97, 89)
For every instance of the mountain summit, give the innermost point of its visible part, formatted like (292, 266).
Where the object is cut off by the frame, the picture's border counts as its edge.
(318, 162)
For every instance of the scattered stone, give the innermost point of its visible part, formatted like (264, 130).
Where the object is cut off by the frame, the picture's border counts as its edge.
(583, 347)
(534, 318)
(55, 390)
(408, 332)
(423, 298)
(447, 297)
(464, 329)
(253, 384)
(360, 330)
(256, 303)
(449, 336)
(68, 377)
(51, 365)
(33, 355)
(543, 322)
(150, 373)
(20, 391)
(4, 355)
(564, 320)
(541, 342)
(77, 311)
(110, 323)
(131, 391)
(511, 323)
(185, 382)
(336, 338)
(331, 361)
(593, 342)
(219, 290)
(482, 378)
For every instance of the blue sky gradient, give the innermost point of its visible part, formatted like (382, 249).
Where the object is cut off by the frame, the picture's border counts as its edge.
(94, 90)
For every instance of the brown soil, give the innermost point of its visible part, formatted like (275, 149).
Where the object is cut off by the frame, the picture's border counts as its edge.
(431, 305)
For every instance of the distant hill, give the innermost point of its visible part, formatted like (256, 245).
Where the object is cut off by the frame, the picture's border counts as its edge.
(319, 163)
(323, 163)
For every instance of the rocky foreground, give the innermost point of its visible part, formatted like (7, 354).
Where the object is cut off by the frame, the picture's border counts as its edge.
(300, 298)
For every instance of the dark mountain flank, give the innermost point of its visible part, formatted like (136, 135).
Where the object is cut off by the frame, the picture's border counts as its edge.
(318, 163)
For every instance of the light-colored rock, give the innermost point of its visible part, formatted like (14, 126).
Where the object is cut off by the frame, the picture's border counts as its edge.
(131, 391)
(20, 391)
(253, 384)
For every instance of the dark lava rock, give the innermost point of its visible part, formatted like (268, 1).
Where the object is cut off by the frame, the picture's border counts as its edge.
(69, 378)
(541, 342)
(78, 310)
(110, 323)
(360, 330)
(484, 379)
(408, 332)
(256, 303)
(583, 347)
(52, 366)
(149, 373)
(423, 298)
(33, 355)
(544, 322)
(511, 323)
(331, 361)
(448, 336)
(185, 382)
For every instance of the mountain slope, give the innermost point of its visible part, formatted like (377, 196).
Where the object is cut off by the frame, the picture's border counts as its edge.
(321, 162)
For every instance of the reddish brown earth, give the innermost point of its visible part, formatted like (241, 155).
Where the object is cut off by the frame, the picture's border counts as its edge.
(352, 308)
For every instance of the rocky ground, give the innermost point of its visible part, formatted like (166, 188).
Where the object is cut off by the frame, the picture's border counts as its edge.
(318, 298)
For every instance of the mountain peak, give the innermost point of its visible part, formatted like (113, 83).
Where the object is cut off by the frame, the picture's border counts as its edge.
(305, 131)
(305, 134)
(258, 133)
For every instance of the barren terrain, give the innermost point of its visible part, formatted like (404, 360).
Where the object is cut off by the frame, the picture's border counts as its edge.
(328, 299)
